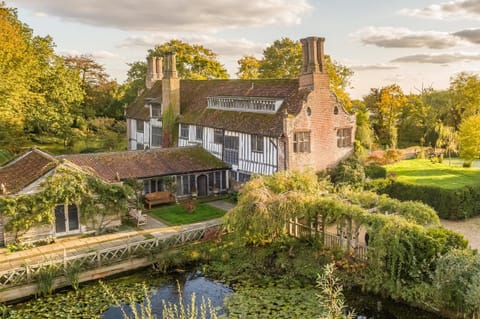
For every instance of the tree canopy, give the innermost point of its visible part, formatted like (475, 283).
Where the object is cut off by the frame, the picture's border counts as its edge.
(283, 59)
(193, 61)
(469, 137)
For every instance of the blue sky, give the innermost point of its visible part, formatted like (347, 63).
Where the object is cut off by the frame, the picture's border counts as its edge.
(411, 43)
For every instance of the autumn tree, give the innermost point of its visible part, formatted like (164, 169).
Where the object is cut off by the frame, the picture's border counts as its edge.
(193, 61)
(283, 60)
(248, 67)
(386, 104)
(465, 97)
(469, 139)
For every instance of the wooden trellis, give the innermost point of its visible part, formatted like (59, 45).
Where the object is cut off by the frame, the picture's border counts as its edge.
(104, 257)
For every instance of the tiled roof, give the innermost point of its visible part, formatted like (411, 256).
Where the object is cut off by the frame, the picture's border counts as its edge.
(25, 170)
(193, 103)
(147, 163)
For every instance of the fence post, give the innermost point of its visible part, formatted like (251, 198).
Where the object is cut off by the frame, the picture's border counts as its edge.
(296, 227)
(64, 259)
(99, 260)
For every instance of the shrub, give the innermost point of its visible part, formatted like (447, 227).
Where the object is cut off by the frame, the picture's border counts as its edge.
(375, 171)
(349, 171)
(449, 203)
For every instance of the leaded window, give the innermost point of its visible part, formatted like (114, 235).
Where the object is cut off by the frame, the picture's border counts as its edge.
(257, 143)
(231, 147)
(301, 142)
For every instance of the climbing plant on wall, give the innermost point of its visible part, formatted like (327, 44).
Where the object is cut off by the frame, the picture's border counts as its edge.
(66, 185)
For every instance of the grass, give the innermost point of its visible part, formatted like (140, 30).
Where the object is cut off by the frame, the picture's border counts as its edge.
(177, 215)
(424, 172)
(5, 156)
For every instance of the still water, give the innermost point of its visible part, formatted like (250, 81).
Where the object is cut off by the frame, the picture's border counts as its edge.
(366, 306)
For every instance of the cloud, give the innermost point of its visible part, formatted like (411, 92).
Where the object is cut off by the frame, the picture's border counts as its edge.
(388, 37)
(471, 35)
(178, 15)
(97, 55)
(230, 47)
(447, 10)
(369, 67)
(445, 58)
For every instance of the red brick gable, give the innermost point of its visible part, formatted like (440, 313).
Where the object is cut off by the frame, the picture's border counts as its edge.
(25, 170)
(118, 166)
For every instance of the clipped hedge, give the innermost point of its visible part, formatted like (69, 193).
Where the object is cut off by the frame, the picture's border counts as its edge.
(375, 171)
(449, 203)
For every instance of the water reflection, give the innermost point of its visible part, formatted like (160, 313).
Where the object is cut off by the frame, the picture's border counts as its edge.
(189, 284)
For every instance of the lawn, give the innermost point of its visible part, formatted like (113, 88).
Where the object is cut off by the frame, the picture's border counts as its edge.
(177, 215)
(424, 172)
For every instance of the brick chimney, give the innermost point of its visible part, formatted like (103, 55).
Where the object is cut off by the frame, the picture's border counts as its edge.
(154, 71)
(171, 84)
(313, 61)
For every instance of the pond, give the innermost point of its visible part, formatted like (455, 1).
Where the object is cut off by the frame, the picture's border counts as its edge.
(91, 301)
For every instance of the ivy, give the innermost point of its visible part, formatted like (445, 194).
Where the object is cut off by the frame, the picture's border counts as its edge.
(96, 198)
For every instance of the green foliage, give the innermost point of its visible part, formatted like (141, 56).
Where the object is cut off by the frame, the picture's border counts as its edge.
(457, 281)
(464, 97)
(332, 301)
(194, 61)
(72, 273)
(169, 127)
(456, 203)
(469, 137)
(364, 131)
(375, 171)
(45, 277)
(97, 199)
(350, 171)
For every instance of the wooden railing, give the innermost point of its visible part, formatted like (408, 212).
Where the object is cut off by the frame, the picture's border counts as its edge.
(103, 257)
(299, 230)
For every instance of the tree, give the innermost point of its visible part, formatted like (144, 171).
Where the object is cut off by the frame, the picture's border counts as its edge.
(386, 104)
(469, 139)
(135, 81)
(283, 60)
(465, 96)
(248, 67)
(363, 133)
(193, 61)
(447, 138)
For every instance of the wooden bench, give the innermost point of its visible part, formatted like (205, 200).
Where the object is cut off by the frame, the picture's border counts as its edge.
(158, 198)
(137, 215)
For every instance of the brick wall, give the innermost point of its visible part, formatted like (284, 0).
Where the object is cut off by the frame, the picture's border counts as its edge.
(322, 124)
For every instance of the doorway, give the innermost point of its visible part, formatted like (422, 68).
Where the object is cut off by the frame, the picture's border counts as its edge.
(202, 187)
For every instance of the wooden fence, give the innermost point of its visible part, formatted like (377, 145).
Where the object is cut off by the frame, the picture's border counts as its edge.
(104, 257)
(300, 230)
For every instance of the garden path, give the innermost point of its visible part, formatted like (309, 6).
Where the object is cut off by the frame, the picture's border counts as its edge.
(469, 228)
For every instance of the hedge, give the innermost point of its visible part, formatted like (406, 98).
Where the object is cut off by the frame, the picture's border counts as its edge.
(375, 171)
(449, 203)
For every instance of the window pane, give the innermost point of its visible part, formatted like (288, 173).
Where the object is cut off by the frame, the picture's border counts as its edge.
(140, 128)
(73, 223)
(218, 136)
(156, 136)
(199, 133)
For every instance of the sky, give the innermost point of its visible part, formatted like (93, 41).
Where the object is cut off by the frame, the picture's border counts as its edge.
(413, 43)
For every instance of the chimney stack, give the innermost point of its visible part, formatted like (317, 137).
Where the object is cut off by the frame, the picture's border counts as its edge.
(171, 84)
(313, 66)
(154, 71)
(313, 55)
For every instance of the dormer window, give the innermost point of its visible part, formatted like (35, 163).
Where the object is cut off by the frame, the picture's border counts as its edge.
(244, 104)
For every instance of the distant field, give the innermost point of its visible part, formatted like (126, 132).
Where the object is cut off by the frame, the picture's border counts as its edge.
(177, 215)
(424, 172)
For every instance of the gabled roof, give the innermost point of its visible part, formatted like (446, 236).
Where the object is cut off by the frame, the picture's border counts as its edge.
(118, 166)
(193, 104)
(25, 169)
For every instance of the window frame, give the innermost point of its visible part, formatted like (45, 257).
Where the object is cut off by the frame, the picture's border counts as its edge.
(199, 129)
(184, 128)
(158, 110)
(344, 137)
(302, 142)
(138, 126)
(160, 136)
(218, 136)
(257, 144)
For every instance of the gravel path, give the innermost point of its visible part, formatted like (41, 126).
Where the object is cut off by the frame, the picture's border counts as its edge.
(469, 228)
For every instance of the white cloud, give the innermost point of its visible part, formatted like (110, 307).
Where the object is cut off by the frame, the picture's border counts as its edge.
(471, 35)
(446, 10)
(388, 37)
(186, 15)
(446, 58)
(230, 47)
(97, 55)
(369, 67)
